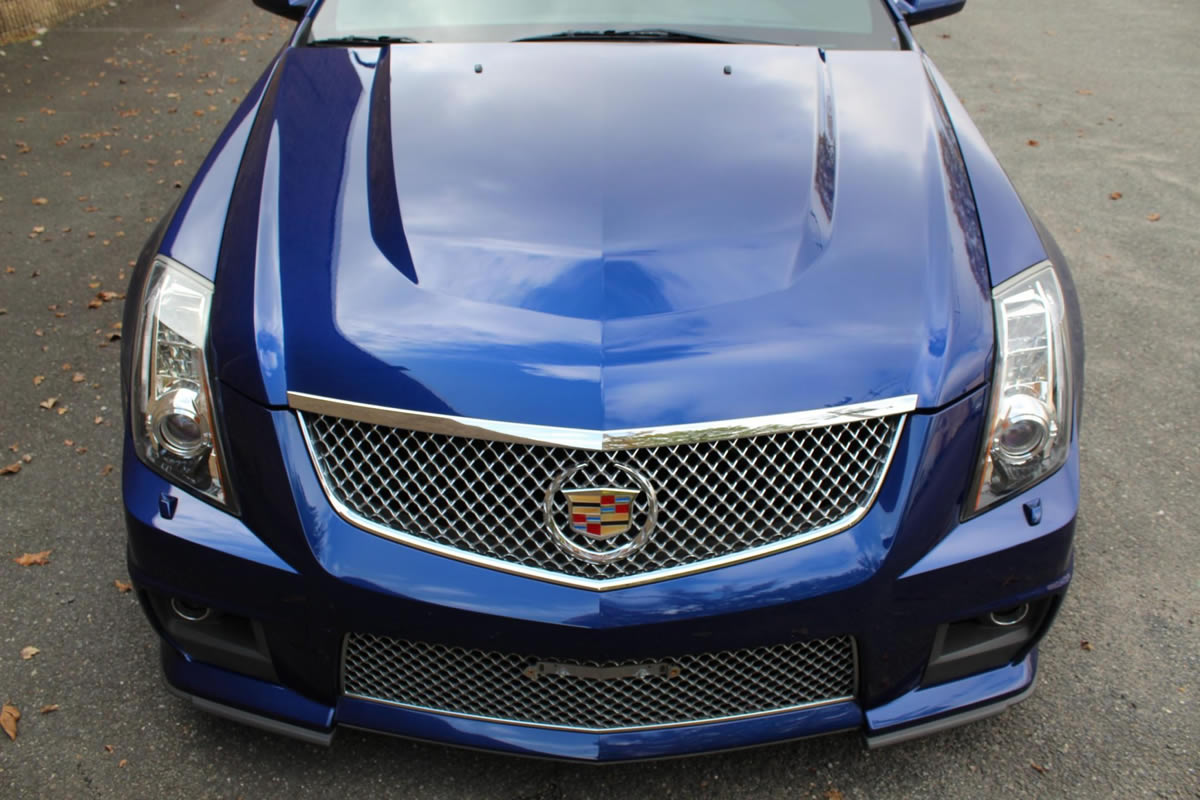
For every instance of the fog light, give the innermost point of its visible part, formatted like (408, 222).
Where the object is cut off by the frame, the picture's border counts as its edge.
(192, 613)
(177, 426)
(1010, 616)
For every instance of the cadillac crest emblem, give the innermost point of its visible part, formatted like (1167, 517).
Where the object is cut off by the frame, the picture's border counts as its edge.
(600, 513)
(602, 521)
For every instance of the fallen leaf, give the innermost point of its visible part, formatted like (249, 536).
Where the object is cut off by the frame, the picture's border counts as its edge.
(108, 748)
(11, 469)
(122, 586)
(34, 559)
(107, 295)
(1033, 143)
(49, 402)
(50, 708)
(834, 794)
(98, 420)
(1085, 91)
(29, 652)
(62, 410)
(1041, 770)
(9, 714)
(37, 379)
(1086, 645)
(1154, 217)
(122, 762)
(107, 469)
(27, 458)
(1115, 196)
(78, 377)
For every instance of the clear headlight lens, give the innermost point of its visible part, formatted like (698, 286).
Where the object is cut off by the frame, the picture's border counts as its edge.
(1029, 422)
(173, 423)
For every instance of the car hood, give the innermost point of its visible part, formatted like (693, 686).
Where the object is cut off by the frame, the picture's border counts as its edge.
(602, 235)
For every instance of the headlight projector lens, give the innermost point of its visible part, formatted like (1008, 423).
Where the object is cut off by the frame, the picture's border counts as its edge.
(176, 425)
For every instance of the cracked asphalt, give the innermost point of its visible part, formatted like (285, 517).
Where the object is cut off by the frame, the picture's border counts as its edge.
(1092, 106)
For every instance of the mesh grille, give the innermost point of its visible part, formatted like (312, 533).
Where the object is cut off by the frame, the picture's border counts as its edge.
(714, 498)
(680, 690)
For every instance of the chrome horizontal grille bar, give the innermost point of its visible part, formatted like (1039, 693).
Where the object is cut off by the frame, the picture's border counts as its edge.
(599, 696)
(710, 502)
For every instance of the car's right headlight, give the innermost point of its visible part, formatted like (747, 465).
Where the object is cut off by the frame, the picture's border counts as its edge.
(174, 426)
(1029, 419)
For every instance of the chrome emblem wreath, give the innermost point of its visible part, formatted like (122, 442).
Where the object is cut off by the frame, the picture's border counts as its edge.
(600, 514)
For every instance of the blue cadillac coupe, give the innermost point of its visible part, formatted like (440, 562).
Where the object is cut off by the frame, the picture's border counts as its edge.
(602, 380)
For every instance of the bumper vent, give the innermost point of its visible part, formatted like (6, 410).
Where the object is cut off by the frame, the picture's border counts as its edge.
(597, 696)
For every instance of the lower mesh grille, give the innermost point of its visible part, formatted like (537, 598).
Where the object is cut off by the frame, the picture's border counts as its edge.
(631, 694)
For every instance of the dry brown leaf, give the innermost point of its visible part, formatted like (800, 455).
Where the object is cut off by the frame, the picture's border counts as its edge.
(29, 652)
(1154, 217)
(27, 458)
(39, 559)
(40, 201)
(9, 714)
(11, 469)
(50, 709)
(1085, 91)
(1041, 770)
(1033, 143)
(62, 410)
(122, 586)
(1115, 196)
(108, 748)
(1086, 645)
(122, 762)
(834, 794)
(98, 420)
(49, 402)
(107, 295)
(107, 469)
(78, 377)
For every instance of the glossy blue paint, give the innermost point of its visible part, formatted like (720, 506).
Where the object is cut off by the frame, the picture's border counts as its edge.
(191, 519)
(229, 688)
(934, 702)
(1011, 239)
(602, 236)
(189, 237)
(603, 274)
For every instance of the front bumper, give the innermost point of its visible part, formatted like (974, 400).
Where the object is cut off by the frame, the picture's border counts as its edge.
(303, 579)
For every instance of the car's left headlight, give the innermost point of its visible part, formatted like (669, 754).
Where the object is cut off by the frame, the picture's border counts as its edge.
(174, 427)
(1030, 414)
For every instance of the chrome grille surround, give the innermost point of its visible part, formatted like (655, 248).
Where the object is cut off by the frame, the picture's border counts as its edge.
(754, 487)
(497, 687)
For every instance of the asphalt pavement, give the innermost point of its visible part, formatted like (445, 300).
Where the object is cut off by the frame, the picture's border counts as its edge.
(1092, 105)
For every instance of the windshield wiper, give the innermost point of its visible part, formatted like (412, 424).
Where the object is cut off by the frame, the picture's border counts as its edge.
(636, 35)
(350, 41)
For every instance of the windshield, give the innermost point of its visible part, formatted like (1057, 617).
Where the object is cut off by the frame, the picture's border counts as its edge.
(858, 24)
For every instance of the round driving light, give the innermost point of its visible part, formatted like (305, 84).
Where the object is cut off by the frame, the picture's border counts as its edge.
(1027, 429)
(177, 426)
